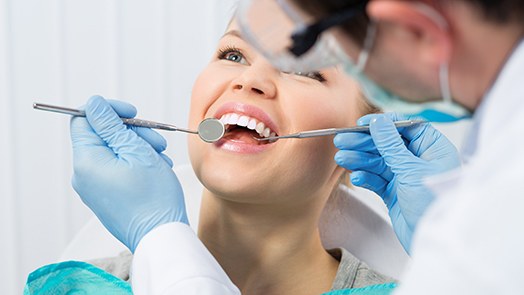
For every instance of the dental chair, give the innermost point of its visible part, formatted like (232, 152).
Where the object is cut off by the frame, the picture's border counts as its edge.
(356, 220)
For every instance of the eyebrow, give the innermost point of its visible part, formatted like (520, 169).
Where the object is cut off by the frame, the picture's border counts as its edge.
(235, 33)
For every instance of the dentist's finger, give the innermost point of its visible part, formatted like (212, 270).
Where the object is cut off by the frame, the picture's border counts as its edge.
(81, 131)
(157, 141)
(167, 160)
(369, 181)
(355, 141)
(108, 125)
(127, 110)
(356, 160)
(410, 133)
(389, 142)
(122, 108)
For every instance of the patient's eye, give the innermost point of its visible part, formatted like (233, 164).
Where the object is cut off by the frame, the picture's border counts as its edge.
(313, 75)
(232, 54)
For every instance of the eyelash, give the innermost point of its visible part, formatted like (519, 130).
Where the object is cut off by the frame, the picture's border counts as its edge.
(312, 75)
(224, 52)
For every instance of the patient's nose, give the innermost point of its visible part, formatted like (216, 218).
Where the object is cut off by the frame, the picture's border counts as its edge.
(257, 79)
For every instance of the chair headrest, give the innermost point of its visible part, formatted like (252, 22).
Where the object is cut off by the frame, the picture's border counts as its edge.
(356, 219)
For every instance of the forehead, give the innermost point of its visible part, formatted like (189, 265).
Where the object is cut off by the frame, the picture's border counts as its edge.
(233, 31)
(232, 25)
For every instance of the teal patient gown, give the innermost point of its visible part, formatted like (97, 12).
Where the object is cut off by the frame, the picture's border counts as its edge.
(382, 289)
(75, 278)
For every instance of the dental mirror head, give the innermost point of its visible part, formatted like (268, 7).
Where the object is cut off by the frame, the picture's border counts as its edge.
(211, 130)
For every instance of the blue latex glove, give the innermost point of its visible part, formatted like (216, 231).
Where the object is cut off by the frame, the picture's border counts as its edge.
(121, 174)
(395, 167)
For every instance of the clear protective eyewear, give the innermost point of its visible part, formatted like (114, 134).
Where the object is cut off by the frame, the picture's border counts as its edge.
(294, 41)
(289, 38)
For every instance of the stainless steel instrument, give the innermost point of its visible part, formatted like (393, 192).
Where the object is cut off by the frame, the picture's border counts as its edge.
(209, 130)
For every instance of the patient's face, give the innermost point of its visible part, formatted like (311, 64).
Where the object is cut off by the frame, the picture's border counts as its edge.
(240, 87)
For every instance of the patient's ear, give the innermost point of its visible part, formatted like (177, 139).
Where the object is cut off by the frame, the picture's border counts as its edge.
(415, 27)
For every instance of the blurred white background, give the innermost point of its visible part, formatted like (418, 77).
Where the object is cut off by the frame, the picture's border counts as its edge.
(62, 52)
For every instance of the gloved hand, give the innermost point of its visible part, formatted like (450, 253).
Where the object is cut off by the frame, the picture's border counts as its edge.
(121, 174)
(395, 167)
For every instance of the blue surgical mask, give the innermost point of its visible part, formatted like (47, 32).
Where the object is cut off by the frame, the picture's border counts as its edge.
(445, 110)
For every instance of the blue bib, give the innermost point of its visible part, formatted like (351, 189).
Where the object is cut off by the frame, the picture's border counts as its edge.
(74, 277)
(383, 289)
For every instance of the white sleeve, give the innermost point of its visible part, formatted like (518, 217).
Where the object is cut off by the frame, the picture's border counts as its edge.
(471, 241)
(172, 260)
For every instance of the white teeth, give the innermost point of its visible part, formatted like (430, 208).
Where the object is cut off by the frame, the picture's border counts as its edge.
(252, 124)
(233, 119)
(266, 132)
(245, 121)
(260, 127)
(225, 119)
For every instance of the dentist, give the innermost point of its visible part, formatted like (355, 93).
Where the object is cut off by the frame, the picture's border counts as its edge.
(441, 60)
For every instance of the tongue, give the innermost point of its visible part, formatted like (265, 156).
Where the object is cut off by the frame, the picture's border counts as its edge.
(242, 135)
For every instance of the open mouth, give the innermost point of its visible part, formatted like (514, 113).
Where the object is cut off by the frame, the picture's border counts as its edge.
(246, 129)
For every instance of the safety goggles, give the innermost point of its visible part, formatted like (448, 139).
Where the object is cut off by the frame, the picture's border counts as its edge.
(291, 39)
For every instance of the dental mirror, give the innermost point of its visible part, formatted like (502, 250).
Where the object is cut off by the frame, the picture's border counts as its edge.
(209, 130)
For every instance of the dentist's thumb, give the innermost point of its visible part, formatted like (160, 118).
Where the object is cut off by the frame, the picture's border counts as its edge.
(109, 126)
(389, 142)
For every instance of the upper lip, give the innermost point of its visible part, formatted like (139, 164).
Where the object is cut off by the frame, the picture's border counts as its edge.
(247, 110)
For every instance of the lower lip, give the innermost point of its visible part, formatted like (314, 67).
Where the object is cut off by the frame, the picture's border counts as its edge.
(241, 147)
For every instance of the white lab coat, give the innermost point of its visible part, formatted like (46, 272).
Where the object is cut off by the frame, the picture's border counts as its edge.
(172, 260)
(471, 241)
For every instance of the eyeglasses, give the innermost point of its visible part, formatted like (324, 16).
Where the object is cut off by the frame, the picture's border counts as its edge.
(305, 38)
(290, 38)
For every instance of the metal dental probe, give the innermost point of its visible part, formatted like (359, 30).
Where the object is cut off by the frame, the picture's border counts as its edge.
(332, 131)
(209, 130)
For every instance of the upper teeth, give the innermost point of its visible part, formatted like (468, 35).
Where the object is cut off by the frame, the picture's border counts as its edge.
(248, 122)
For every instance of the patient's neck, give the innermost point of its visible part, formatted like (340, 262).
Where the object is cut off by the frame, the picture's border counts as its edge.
(267, 249)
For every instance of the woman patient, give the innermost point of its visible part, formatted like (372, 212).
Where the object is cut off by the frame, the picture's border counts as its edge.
(262, 201)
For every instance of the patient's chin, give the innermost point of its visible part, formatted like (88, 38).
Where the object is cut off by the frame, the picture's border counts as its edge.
(237, 186)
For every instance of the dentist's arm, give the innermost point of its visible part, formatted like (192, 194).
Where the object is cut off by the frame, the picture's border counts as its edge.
(121, 174)
(172, 260)
(394, 164)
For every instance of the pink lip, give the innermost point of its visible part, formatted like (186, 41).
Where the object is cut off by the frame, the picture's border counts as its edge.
(251, 111)
(241, 147)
